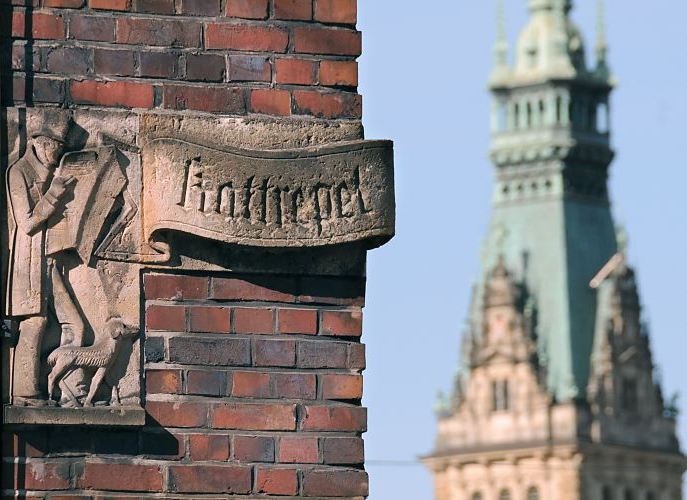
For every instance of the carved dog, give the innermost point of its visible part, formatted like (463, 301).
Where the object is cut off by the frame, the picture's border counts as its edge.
(101, 355)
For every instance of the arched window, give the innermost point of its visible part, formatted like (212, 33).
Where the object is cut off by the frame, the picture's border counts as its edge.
(533, 493)
(529, 115)
(504, 495)
(516, 116)
(602, 121)
(559, 110)
(607, 493)
(542, 114)
(500, 394)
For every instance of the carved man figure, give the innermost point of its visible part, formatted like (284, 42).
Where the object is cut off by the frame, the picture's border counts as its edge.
(37, 294)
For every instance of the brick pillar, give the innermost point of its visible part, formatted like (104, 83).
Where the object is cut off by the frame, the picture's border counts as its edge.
(251, 360)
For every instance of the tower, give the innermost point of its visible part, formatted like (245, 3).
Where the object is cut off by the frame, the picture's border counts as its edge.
(556, 396)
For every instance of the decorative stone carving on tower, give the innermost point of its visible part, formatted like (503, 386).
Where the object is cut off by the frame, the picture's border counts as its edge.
(555, 395)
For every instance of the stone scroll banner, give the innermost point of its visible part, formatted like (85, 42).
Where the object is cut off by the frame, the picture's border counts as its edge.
(289, 198)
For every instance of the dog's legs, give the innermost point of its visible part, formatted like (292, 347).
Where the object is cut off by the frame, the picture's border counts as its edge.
(57, 373)
(95, 384)
(68, 392)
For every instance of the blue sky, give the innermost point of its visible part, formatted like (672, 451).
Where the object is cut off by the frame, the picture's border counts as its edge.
(423, 77)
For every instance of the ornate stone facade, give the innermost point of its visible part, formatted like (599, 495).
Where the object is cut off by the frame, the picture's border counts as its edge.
(556, 397)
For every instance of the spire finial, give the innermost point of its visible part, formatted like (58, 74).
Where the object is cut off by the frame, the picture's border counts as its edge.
(601, 42)
(501, 47)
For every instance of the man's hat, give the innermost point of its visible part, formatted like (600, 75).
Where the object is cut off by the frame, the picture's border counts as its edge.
(55, 126)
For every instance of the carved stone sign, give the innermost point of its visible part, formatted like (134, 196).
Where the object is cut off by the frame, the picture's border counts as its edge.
(308, 197)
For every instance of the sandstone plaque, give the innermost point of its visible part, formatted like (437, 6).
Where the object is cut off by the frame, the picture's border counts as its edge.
(294, 198)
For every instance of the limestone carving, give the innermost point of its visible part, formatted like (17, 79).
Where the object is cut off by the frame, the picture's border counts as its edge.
(100, 356)
(294, 198)
(58, 206)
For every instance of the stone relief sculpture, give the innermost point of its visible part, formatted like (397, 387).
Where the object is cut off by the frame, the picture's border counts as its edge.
(95, 198)
(101, 356)
(58, 205)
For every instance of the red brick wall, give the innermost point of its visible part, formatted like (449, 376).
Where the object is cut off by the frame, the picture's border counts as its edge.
(237, 57)
(252, 383)
(253, 387)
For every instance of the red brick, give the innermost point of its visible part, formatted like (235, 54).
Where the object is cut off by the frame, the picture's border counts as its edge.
(343, 450)
(267, 290)
(335, 483)
(114, 62)
(171, 318)
(334, 291)
(322, 354)
(175, 287)
(335, 418)
(32, 443)
(280, 353)
(234, 479)
(200, 7)
(273, 481)
(43, 26)
(153, 6)
(343, 387)
(327, 41)
(253, 320)
(164, 33)
(177, 414)
(156, 443)
(109, 4)
(247, 9)
(271, 102)
(108, 476)
(73, 60)
(301, 321)
(295, 71)
(126, 94)
(159, 64)
(211, 99)
(253, 449)
(336, 11)
(214, 447)
(256, 417)
(356, 357)
(44, 90)
(339, 73)
(206, 382)
(36, 476)
(295, 385)
(65, 4)
(250, 69)
(92, 28)
(205, 67)
(297, 10)
(327, 104)
(210, 319)
(250, 385)
(209, 352)
(342, 323)
(240, 37)
(299, 450)
(163, 381)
